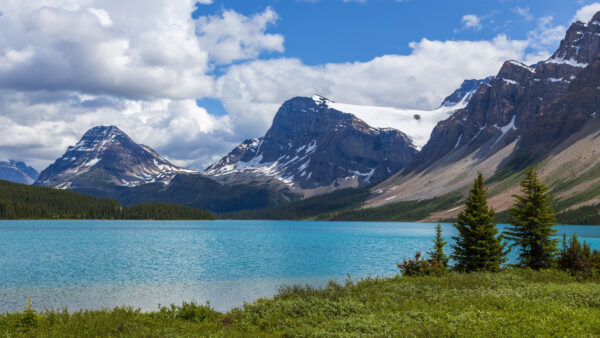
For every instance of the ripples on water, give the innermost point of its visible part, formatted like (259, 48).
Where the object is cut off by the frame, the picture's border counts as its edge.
(93, 264)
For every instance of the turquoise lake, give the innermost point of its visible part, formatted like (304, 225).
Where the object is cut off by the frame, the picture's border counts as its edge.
(94, 264)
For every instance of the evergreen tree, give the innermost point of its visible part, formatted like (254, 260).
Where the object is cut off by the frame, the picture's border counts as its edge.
(532, 225)
(438, 248)
(478, 246)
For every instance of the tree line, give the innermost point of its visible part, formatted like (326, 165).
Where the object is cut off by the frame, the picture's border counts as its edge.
(19, 201)
(480, 247)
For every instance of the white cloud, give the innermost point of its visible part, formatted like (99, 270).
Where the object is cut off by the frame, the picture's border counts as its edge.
(545, 37)
(67, 65)
(232, 36)
(97, 47)
(524, 12)
(471, 21)
(585, 13)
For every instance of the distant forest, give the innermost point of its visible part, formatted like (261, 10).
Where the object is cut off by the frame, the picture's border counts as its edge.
(19, 201)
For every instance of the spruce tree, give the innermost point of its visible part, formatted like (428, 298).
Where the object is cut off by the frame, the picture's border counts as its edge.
(478, 246)
(532, 226)
(438, 248)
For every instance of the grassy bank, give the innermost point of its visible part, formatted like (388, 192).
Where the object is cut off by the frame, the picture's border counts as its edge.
(509, 303)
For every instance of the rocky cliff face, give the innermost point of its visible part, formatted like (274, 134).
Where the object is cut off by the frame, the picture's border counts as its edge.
(107, 156)
(311, 145)
(465, 92)
(522, 116)
(513, 103)
(17, 172)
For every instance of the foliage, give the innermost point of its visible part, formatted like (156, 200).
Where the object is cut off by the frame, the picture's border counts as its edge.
(420, 266)
(406, 211)
(532, 225)
(579, 259)
(586, 215)
(18, 201)
(477, 248)
(321, 206)
(201, 192)
(512, 303)
(438, 248)
(29, 316)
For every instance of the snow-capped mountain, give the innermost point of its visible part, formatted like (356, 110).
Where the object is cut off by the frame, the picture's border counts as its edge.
(313, 145)
(105, 155)
(17, 172)
(524, 115)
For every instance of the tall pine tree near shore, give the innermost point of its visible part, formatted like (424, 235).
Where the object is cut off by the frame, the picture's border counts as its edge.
(478, 246)
(532, 227)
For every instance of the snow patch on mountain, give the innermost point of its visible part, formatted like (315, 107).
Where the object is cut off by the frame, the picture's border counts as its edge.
(417, 124)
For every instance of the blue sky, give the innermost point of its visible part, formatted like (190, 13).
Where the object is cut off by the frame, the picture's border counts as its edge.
(335, 31)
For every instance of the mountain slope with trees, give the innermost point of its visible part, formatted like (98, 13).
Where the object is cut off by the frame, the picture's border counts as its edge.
(18, 201)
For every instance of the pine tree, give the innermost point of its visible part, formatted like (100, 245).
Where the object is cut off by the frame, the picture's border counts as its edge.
(478, 246)
(438, 248)
(532, 227)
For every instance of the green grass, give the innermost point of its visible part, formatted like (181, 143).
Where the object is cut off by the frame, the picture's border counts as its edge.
(510, 303)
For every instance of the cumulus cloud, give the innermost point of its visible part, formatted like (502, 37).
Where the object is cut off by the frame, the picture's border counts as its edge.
(67, 65)
(585, 13)
(543, 38)
(471, 21)
(231, 36)
(96, 47)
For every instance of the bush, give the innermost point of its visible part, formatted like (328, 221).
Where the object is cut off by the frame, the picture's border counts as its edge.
(420, 266)
(191, 312)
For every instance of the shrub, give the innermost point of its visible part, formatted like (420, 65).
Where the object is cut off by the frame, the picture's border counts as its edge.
(579, 259)
(420, 266)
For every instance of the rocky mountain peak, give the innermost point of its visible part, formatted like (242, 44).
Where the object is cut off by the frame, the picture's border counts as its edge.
(463, 94)
(510, 108)
(18, 172)
(515, 71)
(580, 45)
(105, 155)
(311, 145)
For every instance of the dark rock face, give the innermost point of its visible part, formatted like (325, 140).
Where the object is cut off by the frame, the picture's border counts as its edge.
(465, 91)
(107, 156)
(17, 172)
(522, 103)
(311, 145)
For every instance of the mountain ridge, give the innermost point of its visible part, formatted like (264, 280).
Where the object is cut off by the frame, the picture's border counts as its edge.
(18, 172)
(106, 154)
(311, 146)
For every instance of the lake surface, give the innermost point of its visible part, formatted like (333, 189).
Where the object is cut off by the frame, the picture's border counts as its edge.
(94, 264)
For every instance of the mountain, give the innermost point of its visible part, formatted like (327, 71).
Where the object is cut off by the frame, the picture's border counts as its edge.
(107, 163)
(17, 172)
(313, 147)
(105, 156)
(544, 115)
